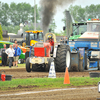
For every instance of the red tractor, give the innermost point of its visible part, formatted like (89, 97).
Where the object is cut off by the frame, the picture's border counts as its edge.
(41, 56)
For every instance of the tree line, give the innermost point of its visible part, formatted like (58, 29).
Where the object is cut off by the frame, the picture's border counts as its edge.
(11, 15)
(14, 14)
(82, 14)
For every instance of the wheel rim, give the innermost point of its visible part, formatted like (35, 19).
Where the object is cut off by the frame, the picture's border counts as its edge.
(67, 59)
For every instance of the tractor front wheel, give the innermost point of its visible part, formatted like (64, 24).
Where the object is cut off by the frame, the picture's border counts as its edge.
(26, 55)
(28, 68)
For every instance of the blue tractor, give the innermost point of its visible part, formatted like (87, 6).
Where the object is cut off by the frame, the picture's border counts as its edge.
(84, 42)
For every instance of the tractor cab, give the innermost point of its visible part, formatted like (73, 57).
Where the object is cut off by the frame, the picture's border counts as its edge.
(50, 34)
(93, 30)
(50, 38)
(33, 37)
(93, 25)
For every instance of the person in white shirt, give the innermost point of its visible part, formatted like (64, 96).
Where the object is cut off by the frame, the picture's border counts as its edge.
(10, 52)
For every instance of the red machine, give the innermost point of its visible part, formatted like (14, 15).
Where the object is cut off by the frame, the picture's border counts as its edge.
(3, 77)
(42, 51)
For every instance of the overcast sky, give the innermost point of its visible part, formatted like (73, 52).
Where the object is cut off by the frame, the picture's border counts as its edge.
(59, 14)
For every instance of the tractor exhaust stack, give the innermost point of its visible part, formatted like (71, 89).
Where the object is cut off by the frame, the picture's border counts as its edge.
(68, 24)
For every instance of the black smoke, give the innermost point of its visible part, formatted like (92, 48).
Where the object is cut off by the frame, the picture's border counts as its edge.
(49, 8)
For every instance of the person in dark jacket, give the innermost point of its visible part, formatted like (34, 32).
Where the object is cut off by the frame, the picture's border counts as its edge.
(4, 56)
(17, 54)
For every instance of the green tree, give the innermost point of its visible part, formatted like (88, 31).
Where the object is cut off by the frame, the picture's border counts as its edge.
(80, 14)
(77, 13)
(37, 14)
(12, 15)
(31, 27)
(4, 14)
(98, 11)
(91, 11)
(1, 33)
(19, 13)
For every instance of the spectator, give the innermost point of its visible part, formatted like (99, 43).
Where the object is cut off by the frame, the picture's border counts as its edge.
(14, 45)
(17, 54)
(4, 56)
(10, 52)
(15, 41)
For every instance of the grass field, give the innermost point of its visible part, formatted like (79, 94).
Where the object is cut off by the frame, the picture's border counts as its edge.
(49, 82)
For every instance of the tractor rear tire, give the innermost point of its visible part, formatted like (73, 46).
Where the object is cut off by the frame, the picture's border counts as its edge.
(63, 58)
(28, 69)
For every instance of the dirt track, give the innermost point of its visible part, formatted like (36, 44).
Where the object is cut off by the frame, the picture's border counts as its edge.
(21, 73)
(78, 94)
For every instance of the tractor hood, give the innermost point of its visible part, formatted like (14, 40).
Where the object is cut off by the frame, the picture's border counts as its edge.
(75, 37)
(90, 35)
